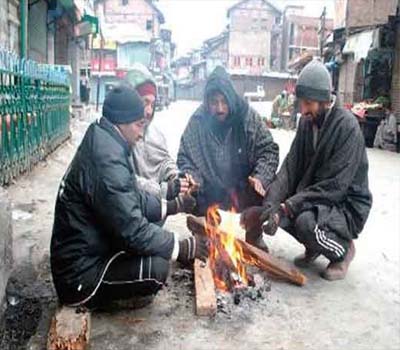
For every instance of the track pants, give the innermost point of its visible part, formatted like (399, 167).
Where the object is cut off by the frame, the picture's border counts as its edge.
(130, 276)
(324, 230)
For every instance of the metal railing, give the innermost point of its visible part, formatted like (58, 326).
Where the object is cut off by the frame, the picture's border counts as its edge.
(34, 113)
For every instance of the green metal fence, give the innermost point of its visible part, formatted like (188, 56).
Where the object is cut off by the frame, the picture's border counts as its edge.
(34, 113)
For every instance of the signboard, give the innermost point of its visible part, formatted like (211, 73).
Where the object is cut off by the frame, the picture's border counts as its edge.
(107, 44)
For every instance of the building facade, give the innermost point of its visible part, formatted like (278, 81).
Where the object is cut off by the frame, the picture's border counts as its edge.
(131, 34)
(251, 23)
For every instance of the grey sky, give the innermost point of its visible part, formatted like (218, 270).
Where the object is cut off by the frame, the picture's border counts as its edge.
(193, 21)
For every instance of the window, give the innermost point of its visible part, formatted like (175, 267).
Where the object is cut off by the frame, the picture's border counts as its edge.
(250, 61)
(149, 24)
(236, 61)
(125, 2)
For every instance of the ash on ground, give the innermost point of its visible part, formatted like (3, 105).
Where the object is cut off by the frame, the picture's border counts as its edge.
(30, 297)
(242, 301)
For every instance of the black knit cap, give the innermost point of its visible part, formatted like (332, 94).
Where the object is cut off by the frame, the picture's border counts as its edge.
(123, 105)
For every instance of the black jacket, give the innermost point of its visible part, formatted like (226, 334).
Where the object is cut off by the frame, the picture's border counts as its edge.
(333, 174)
(221, 156)
(99, 213)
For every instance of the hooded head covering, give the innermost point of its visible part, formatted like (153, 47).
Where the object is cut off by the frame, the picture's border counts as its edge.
(139, 75)
(142, 81)
(220, 81)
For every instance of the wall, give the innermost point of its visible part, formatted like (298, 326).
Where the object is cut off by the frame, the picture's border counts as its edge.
(136, 13)
(250, 36)
(347, 75)
(339, 19)
(272, 87)
(395, 96)
(131, 53)
(369, 12)
(37, 32)
(9, 25)
(61, 41)
(103, 82)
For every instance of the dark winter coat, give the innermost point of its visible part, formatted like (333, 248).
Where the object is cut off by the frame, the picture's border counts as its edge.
(334, 174)
(221, 156)
(99, 213)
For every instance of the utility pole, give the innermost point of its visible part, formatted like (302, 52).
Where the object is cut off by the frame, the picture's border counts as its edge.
(322, 32)
(100, 69)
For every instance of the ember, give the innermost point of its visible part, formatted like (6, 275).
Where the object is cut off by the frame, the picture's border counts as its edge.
(226, 257)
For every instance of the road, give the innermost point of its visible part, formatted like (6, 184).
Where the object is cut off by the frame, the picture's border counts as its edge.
(361, 312)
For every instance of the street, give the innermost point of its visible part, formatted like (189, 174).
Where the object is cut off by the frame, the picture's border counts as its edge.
(360, 312)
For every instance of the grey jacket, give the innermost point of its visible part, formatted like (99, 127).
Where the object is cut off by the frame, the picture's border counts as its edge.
(154, 166)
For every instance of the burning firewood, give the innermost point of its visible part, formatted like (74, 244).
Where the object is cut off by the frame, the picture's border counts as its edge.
(252, 255)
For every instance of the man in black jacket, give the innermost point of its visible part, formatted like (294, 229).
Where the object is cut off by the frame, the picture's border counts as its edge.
(321, 194)
(103, 246)
(228, 150)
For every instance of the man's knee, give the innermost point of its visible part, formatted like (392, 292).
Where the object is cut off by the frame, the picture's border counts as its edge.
(304, 226)
(159, 268)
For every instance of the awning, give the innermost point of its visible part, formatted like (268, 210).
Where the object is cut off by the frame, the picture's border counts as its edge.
(359, 44)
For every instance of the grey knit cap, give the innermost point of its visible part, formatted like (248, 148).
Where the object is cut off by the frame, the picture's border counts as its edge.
(314, 82)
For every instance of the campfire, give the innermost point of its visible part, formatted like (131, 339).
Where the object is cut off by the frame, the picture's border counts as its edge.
(227, 260)
(226, 266)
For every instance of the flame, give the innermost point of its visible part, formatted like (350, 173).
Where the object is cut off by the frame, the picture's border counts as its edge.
(225, 250)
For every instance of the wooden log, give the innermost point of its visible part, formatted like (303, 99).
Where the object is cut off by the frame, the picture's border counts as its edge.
(69, 330)
(255, 256)
(206, 300)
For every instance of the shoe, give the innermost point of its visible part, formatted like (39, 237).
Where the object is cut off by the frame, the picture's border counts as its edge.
(257, 241)
(338, 270)
(306, 259)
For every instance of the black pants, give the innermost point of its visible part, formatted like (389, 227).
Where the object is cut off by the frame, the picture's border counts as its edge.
(322, 230)
(128, 277)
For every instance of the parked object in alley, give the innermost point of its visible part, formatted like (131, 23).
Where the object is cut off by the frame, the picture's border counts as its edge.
(69, 330)
(257, 95)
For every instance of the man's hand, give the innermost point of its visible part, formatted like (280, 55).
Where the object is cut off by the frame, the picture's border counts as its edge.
(185, 203)
(174, 188)
(250, 219)
(271, 218)
(257, 185)
(187, 184)
(184, 185)
(195, 247)
(178, 185)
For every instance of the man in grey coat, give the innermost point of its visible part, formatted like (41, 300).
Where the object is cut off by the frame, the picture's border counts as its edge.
(320, 195)
(157, 172)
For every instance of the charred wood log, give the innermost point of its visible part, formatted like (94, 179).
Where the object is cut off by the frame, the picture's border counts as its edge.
(255, 256)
